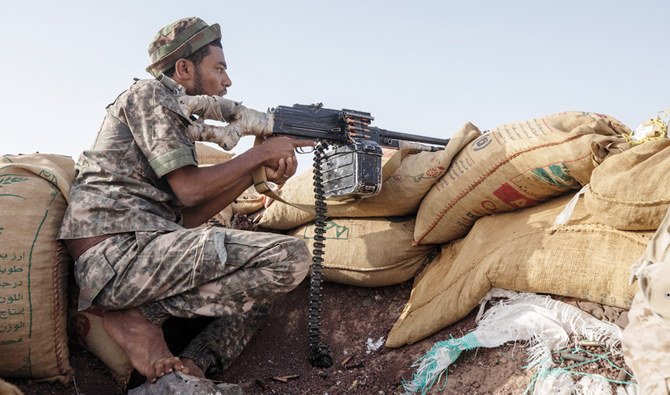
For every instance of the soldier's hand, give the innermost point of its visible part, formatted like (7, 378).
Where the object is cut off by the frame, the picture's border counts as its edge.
(243, 121)
(286, 167)
(275, 148)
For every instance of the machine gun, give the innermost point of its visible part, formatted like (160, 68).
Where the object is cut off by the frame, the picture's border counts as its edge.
(347, 165)
(351, 169)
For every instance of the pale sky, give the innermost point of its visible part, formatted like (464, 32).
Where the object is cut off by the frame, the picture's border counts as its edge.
(421, 67)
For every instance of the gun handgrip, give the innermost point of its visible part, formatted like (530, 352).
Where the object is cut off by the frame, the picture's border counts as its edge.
(261, 184)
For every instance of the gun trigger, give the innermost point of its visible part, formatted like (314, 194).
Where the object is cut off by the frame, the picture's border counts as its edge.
(304, 150)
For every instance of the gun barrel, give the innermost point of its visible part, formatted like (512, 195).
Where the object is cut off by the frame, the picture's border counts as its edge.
(383, 133)
(318, 123)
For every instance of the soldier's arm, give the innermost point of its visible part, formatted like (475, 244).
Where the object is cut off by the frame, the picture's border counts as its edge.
(198, 214)
(205, 191)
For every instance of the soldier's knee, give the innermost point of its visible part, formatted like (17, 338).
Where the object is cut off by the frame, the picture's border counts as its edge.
(286, 263)
(298, 260)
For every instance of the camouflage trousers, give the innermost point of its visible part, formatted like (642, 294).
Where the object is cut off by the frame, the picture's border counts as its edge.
(646, 346)
(230, 274)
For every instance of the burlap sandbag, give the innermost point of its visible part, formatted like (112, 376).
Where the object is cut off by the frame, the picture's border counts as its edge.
(400, 195)
(206, 155)
(9, 389)
(249, 202)
(369, 252)
(514, 166)
(632, 190)
(85, 328)
(33, 266)
(522, 251)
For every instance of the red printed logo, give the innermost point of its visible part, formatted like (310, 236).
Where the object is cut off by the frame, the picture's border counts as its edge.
(512, 197)
(489, 205)
(435, 172)
(81, 325)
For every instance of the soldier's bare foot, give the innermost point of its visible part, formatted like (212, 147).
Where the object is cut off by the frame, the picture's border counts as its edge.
(192, 368)
(142, 341)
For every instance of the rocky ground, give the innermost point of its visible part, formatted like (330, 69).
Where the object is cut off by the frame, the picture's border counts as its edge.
(354, 319)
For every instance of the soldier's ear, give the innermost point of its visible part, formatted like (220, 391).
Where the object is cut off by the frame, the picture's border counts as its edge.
(184, 69)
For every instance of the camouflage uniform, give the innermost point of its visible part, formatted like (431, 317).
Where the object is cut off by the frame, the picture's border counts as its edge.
(646, 347)
(646, 339)
(152, 262)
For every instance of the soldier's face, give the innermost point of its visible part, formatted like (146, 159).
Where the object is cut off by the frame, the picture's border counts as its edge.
(210, 76)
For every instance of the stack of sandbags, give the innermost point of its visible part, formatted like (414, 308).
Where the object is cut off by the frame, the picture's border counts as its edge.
(370, 252)
(515, 166)
(522, 251)
(34, 190)
(631, 190)
(400, 195)
(369, 241)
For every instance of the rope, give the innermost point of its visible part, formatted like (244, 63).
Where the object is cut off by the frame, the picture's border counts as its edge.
(651, 130)
(595, 357)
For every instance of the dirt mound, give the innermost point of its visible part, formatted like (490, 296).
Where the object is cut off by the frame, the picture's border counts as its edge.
(354, 319)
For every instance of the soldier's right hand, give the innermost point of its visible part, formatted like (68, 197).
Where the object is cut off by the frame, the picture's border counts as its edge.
(276, 148)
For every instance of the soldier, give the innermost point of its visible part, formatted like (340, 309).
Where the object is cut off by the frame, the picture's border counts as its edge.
(138, 200)
(646, 338)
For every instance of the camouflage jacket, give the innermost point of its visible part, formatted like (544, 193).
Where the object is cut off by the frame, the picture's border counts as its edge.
(119, 185)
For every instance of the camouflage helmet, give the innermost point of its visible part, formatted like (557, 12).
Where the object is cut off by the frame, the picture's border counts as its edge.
(179, 40)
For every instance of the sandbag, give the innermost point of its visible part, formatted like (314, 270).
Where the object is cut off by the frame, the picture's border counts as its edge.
(249, 202)
(400, 195)
(207, 155)
(632, 190)
(369, 252)
(9, 388)
(224, 217)
(514, 166)
(85, 328)
(33, 266)
(522, 251)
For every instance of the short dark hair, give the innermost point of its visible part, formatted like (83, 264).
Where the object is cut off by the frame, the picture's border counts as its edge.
(196, 57)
